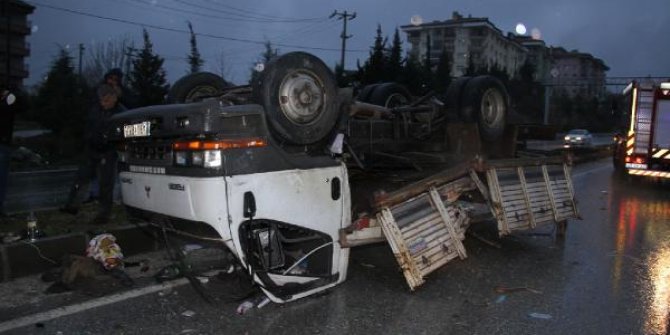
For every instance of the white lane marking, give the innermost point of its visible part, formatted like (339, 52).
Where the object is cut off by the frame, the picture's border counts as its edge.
(595, 169)
(73, 309)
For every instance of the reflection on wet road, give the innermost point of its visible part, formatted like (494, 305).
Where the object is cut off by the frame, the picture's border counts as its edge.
(643, 228)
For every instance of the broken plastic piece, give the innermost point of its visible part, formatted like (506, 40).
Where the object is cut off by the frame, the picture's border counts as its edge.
(540, 316)
(188, 313)
(501, 299)
(244, 307)
(190, 247)
(263, 302)
(503, 289)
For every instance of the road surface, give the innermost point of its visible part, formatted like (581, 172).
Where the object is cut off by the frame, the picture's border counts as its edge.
(611, 275)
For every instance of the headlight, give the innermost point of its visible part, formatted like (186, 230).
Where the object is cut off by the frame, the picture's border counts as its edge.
(579, 138)
(212, 158)
(197, 158)
(567, 138)
(180, 157)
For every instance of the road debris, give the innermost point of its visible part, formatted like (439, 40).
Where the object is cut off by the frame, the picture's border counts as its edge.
(540, 316)
(244, 307)
(366, 265)
(188, 313)
(103, 248)
(263, 302)
(191, 247)
(501, 299)
(503, 289)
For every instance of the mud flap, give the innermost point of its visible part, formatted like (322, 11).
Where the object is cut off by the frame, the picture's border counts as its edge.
(523, 197)
(426, 231)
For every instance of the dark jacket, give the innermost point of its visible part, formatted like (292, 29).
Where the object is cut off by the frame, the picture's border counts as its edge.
(96, 127)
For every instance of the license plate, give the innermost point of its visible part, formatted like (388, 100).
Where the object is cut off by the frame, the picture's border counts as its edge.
(141, 129)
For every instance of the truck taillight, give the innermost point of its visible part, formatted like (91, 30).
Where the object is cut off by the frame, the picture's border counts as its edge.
(636, 160)
(208, 153)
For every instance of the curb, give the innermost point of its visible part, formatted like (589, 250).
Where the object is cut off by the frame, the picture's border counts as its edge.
(23, 258)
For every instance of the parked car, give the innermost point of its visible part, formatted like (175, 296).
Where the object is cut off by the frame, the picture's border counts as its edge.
(578, 137)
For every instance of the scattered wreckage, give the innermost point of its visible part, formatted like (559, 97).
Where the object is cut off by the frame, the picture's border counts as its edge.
(263, 168)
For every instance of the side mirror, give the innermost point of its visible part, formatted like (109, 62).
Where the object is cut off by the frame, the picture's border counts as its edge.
(249, 205)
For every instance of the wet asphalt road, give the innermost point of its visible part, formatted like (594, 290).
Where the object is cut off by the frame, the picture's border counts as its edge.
(611, 275)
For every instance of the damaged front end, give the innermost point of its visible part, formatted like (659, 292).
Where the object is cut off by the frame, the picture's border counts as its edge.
(278, 212)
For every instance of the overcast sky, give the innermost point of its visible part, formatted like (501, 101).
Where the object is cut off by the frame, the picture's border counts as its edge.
(630, 36)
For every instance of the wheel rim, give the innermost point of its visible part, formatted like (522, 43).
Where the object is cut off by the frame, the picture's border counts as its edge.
(200, 92)
(396, 100)
(492, 107)
(302, 97)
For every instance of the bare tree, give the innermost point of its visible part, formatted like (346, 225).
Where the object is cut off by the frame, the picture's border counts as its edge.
(222, 67)
(103, 56)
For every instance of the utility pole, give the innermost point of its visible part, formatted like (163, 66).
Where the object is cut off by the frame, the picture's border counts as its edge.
(344, 16)
(81, 55)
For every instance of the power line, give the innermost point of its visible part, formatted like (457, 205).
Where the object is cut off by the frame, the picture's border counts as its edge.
(231, 18)
(229, 27)
(251, 15)
(242, 10)
(220, 37)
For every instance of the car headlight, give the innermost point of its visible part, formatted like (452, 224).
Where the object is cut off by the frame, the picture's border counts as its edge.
(579, 138)
(567, 138)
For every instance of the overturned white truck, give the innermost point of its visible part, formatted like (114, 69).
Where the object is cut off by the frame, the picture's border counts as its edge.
(260, 169)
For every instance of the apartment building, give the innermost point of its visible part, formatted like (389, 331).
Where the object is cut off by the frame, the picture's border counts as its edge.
(576, 73)
(14, 28)
(467, 40)
(479, 42)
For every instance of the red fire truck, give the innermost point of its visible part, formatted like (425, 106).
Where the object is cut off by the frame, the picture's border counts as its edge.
(644, 148)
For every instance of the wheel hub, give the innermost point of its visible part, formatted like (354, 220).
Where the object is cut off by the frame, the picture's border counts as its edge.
(493, 107)
(301, 97)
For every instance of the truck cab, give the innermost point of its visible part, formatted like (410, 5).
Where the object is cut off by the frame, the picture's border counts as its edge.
(205, 163)
(643, 148)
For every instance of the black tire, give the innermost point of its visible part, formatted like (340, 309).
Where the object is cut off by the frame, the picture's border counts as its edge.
(454, 96)
(485, 99)
(366, 92)
(618, 159)
(195, 87)
(299, 94)
(390, 95)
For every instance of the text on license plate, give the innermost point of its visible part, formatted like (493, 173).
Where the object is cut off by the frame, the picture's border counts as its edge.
(137, 130)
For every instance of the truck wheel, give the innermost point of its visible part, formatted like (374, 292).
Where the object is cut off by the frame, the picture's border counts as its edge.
(486, 100)
(195, 87)
(364, 94)
(453, 98)
(299, 94)
(390, 95)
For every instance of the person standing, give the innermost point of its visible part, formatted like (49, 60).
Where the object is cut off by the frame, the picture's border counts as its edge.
(8, 107)
(100, 156)
(114, 78)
